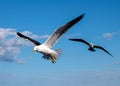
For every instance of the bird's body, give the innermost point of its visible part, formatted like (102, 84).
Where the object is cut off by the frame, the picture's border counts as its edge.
(91, 45)
(45, 48)
(47, 52)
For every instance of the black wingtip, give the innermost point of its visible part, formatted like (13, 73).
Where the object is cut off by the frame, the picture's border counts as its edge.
(19, 34)
(83, 14)
(74, 40)
(112, 55)
(70, 39)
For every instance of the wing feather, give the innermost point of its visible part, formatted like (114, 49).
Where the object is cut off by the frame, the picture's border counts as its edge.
(102, 49)
(57, 34)
(30, 39)
(80, 40)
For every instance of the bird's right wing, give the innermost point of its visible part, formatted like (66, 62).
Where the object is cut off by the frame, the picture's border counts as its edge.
(60, 31)
(102, 49)
(80, 40)
(30, 39)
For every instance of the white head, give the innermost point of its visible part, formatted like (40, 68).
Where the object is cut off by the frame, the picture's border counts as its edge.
(35, 49)
(91, 45)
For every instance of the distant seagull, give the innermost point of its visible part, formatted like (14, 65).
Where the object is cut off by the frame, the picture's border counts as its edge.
(45, 48)
(91, 46)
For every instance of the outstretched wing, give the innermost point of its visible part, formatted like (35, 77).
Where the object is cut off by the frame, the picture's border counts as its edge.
(30, 39)
(80, 40)
(102, 49)
(57, 34)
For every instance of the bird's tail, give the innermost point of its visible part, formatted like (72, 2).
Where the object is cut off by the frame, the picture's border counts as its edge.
(55, 57)
(59, 53)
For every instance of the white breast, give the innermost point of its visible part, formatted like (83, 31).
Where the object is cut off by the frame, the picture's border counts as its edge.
(92, 45)
(45, 49)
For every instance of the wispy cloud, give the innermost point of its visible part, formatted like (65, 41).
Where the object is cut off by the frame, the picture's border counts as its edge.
(110, 35)
(10, 44)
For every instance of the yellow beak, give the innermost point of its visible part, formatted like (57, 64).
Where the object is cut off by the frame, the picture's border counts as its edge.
(33, 50)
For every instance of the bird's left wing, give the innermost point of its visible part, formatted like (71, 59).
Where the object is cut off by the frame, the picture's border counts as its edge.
(57, 34)
(102, 49)
(80, 40)
(30, 39)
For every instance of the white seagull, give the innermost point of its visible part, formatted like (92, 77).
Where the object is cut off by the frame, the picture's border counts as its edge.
(45, 48)
(91, 45)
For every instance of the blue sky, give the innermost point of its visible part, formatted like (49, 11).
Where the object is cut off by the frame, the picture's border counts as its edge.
(77, 66)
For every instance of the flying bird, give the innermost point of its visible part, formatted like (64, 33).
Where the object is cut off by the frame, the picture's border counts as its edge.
(45, 48)
(91, 45)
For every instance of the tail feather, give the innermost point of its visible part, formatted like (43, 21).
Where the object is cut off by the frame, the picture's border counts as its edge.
(59, 53)
(53, 58)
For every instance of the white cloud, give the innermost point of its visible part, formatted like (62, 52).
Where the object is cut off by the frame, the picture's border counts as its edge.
(108, 36)
(4, 34)
(10, 44)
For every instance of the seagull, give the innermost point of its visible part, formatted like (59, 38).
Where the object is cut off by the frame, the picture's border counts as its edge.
(45, 48)
(91, 45)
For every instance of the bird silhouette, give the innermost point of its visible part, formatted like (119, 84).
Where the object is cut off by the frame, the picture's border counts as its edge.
(91, 45)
